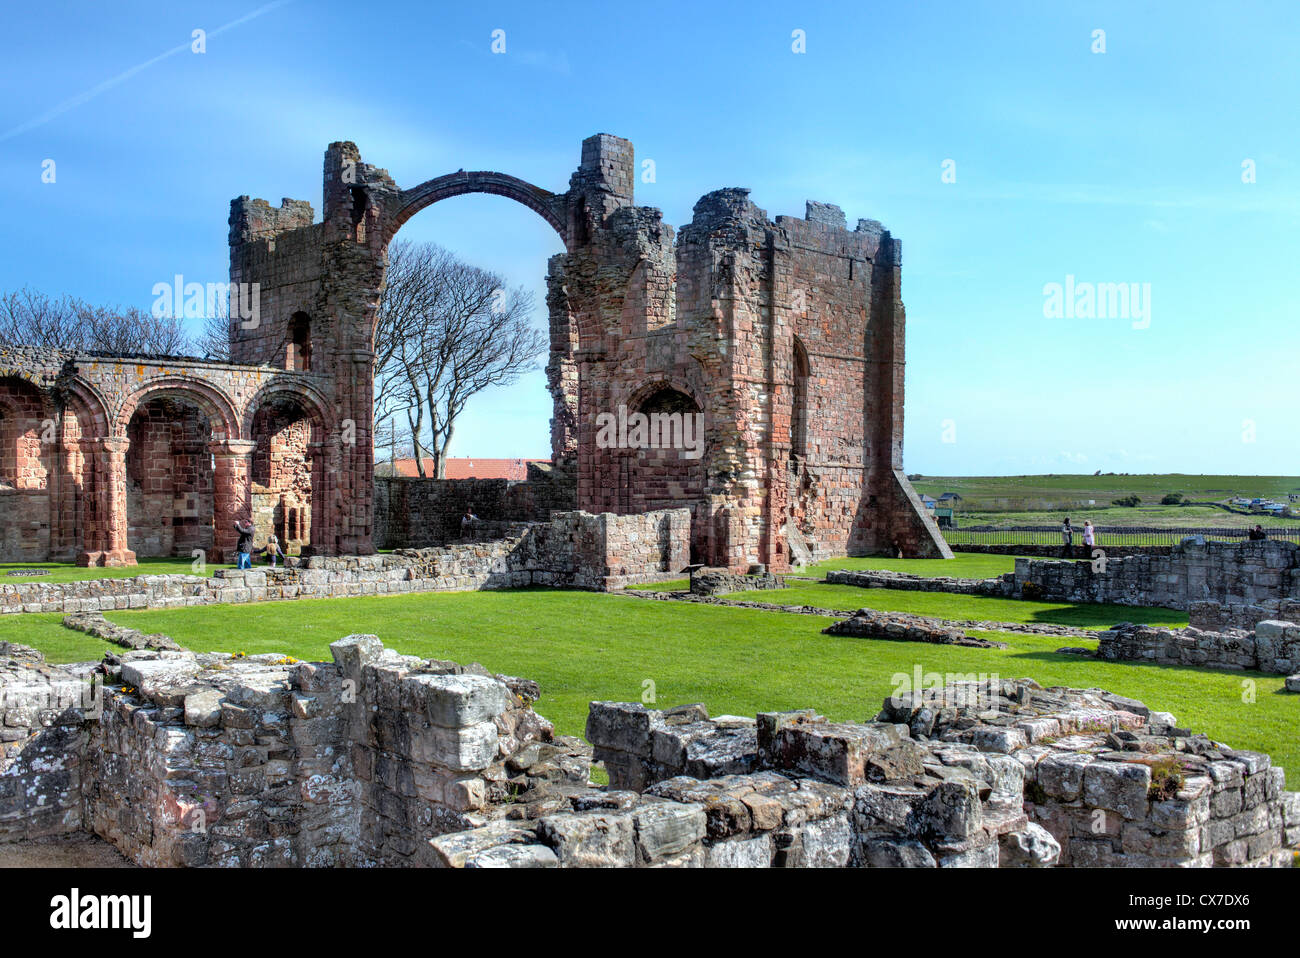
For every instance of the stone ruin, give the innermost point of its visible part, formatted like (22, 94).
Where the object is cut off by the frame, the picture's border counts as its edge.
(786, 336)
(574, 550)
(377, 758)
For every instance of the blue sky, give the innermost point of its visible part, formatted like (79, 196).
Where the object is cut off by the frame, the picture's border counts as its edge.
(1115, 167)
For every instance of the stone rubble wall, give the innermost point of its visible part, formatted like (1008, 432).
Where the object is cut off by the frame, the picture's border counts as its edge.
(1221, 584)
(712, 580)
(973, 774)
(574, 550)
(417, 513)
(382, 759)
(264, 761)
(43, 738)
(1232, 574)
(1217, 617)
(1000, 587)
(1272, 646)
(1119, 785)
(904, 627)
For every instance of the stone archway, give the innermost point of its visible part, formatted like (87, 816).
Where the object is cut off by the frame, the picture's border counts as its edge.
(549, 206)
(290, 468)
(176, 472)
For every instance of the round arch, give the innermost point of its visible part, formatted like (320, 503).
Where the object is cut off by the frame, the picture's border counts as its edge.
(216, 405)
(305, 393)
(549, 206)
(638, 396)
(89, 406)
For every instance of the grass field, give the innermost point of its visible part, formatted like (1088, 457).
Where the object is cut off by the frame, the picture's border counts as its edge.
(1149, 487)
(946, 605)
(1119, 517)
(1043, 500)
(587, 646)
(68, 572)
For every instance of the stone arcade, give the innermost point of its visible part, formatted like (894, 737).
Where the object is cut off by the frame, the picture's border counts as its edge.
(786, 335)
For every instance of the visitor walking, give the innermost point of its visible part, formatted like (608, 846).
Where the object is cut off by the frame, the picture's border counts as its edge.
(244, 547)
(1089, 536)
(1067, 537)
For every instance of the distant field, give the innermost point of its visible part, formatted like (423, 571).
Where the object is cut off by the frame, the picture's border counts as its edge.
(1108, 487)
(1038, 500)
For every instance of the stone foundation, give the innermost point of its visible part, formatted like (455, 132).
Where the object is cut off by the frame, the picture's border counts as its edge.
(710, 580)
(1001, 586)
(901, 627)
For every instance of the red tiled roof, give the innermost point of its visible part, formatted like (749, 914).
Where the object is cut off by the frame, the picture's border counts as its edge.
(471, 468)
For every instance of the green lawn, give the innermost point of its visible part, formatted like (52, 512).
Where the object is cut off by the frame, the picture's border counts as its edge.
(848, 598)
(584, 646)
(45, 631)
(670, 585)
(68, 572)
(963, 565)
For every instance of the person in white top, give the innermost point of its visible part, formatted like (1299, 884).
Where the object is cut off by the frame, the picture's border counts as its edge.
(1089, 535)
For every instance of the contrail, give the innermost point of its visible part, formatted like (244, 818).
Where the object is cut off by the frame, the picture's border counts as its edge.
(96, 90)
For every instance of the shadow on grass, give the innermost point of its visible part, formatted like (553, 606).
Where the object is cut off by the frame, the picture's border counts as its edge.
(1085, 616)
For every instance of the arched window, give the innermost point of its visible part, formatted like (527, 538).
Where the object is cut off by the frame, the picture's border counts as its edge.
(298, 354)
(799, 407)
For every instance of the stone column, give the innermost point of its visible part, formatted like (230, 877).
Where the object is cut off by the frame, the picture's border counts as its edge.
(231, 496)
(321, 536)
(107, 539)
(63, 501)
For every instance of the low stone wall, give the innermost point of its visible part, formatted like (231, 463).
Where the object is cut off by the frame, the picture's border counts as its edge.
(1001, 586)
(902, 627)
(1217, 617)
(1245, 581)
(1077, 551)
(712, 580)
(1272, 646)
(575, 550)
(1232, 574)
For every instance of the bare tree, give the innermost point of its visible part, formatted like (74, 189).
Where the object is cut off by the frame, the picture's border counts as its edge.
(445, 332)
(213, 341)
(29, 317)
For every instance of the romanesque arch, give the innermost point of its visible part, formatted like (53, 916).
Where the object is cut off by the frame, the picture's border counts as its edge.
(215, 404)
(290, 469)
(549, 206)
(182, 470)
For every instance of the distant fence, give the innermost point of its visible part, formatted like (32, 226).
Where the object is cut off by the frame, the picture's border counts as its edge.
(1113, 536)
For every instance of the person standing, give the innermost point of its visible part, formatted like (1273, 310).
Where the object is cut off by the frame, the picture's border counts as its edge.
(1067, 537)
(1089, 537)
(244, 547)
(1258, 533)
(273, 549)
